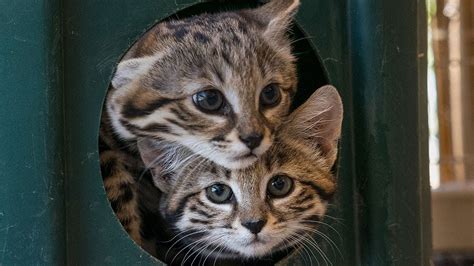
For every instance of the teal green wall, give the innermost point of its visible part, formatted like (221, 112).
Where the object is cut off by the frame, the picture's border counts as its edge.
(388, 43)
(32, 214)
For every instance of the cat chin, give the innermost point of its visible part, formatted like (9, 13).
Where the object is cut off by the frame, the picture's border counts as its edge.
(242, 253)
(250, 251)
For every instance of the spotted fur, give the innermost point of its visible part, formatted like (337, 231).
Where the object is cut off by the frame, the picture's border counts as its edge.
(305, 150)
(237, 53)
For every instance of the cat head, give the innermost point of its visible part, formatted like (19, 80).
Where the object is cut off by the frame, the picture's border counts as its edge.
(269, 206)
(219, 84)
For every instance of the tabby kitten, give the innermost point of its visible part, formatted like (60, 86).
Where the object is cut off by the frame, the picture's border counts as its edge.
(218, 84)
(256, 212)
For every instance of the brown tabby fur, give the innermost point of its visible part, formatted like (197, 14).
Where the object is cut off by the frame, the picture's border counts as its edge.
(305, 150)
(150, 95)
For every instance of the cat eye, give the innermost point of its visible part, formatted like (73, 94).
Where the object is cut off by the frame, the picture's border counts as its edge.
(209, 100)
(279, 186)
(219, 193)
(270, 96)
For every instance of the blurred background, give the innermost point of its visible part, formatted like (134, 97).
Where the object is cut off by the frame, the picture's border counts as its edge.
(451, 124)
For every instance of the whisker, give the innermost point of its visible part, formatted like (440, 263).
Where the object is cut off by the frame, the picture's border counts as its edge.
(328, 225)
(204, 262)
(318, 248)
(202, 249)
(167, 241)
(307, 249)
(218, 254)
(194, 243)
(324, 236)
(190, 234)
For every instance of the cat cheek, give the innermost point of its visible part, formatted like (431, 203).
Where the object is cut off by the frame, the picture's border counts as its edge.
(274, 117)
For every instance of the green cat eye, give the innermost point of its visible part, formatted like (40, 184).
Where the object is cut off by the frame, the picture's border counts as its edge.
(219, 193)
(209, 100)
(270, 95)
(279, 186)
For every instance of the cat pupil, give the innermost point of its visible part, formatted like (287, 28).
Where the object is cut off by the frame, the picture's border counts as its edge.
(209, 100)
(218, 190)
(270, 95)
(280, 186)
(219, 193)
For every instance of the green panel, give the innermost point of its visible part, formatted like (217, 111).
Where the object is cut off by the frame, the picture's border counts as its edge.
(390, 133)
(96, 35)
(31, 139)
(328, 32)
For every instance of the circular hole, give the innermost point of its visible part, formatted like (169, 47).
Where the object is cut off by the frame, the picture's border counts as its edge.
(122, 169)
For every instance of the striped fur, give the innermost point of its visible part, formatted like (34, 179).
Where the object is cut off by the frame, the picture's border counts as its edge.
(237, 53)
(305, 150)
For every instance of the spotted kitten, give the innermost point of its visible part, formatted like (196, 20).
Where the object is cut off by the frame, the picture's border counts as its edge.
(258, 211)
(218, 84)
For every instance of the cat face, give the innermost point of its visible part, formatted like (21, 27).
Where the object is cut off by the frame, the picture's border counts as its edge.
(219, 84)
(265, 208)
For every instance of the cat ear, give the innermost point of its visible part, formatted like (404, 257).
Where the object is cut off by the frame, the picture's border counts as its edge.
(131, 69)
(153, 156)
(276, 16)
(317, 123)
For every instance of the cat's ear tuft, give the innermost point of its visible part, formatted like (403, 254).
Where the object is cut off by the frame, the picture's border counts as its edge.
(130, 70)
(276, 15)
(317, 123)
(152, 156)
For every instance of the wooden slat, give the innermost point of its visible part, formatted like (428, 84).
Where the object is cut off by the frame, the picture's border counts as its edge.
(439, 26)
(467, 85)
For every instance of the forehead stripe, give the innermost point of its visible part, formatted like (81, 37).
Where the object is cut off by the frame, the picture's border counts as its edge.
(228, 173)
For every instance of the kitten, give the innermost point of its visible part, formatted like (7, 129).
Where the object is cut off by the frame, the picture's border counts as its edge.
(254, 212)
(218, 84)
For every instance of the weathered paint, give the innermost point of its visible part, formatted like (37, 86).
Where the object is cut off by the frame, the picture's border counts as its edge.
(390, 131)
(32, 215)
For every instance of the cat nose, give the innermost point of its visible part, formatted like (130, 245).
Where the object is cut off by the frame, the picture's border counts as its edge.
(252, 140)
(254, 226)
